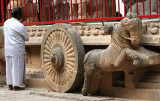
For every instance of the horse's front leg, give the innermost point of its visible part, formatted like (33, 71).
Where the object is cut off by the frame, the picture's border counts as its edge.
(150, 57)
(88, 79)
(128, 54)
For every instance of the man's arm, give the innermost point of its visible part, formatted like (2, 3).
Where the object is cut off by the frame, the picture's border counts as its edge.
(25, 34)
(21, 30)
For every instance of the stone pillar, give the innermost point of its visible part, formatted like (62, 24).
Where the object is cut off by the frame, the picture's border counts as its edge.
(2, 57)
(130, 80)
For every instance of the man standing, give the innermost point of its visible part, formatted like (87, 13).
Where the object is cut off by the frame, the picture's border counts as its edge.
(15, 36)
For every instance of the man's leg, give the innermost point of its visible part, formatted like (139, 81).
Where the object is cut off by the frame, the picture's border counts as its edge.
(18, 71)
(10, 87)
(9, 79)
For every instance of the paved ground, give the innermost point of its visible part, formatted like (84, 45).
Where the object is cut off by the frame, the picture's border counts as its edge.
(31, 94)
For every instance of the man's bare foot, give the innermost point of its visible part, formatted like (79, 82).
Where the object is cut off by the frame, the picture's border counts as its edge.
(10, 87)
(16, 88)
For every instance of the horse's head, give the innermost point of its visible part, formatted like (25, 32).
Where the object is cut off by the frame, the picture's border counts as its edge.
(131, 27)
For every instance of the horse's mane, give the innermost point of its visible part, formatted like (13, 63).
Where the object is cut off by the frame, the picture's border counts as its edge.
(108, 28)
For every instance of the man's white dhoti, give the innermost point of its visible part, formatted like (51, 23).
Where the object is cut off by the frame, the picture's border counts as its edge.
(15, 70)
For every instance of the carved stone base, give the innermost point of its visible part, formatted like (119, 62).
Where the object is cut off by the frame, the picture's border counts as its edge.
(146, 85)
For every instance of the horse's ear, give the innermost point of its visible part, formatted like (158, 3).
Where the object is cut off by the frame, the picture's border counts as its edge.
(131, 15)
(125, 22)
(108, 29)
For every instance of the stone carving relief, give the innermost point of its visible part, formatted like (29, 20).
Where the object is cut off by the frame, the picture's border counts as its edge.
(37, 31)
(150, 28)
(123, 54)
(90, 30)
(153, 28)
(2, 57)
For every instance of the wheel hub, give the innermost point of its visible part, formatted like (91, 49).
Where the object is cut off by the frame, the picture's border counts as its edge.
(57, 58)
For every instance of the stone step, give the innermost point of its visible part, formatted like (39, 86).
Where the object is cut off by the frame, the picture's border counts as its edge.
(155, 69)
(33, 70)
(136, 94)
(152, 79)
(37, 83)
(35, 79)
(119, 83)
(145, 85)
(153, 74)
(35, 75)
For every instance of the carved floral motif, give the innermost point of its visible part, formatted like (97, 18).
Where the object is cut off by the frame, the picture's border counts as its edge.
(37, 31)
(153, 28)
(89, 30)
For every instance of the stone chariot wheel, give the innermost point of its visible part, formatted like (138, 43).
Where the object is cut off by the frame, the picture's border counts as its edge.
(62, 55)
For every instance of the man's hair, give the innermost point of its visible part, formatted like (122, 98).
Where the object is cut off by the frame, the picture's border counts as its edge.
(16, 12)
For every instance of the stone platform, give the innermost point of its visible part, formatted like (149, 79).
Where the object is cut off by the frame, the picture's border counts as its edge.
(35, 79)
(146, 89)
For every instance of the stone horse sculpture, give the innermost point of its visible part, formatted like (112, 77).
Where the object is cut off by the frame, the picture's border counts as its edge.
(2, 57)
(122, 54)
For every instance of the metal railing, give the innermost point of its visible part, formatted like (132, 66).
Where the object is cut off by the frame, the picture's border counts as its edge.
(59, 11)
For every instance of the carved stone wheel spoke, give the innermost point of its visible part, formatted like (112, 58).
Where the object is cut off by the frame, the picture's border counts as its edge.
(62, 54)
